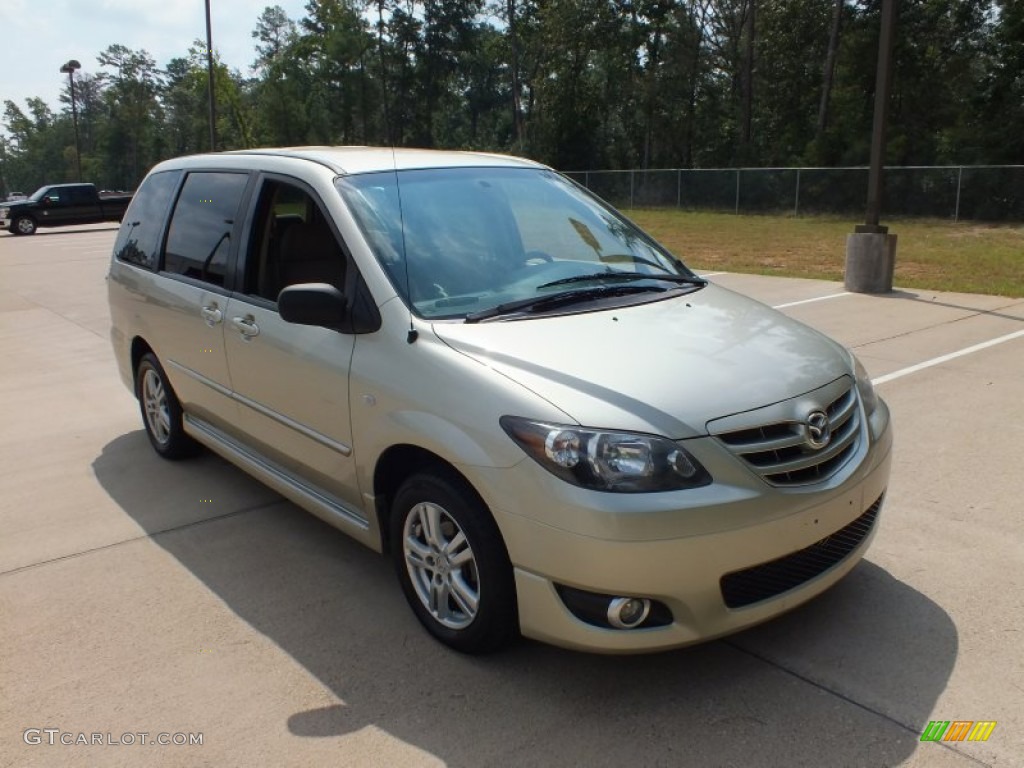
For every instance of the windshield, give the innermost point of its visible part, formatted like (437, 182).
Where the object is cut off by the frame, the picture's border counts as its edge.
(36, 196)
(476, 239)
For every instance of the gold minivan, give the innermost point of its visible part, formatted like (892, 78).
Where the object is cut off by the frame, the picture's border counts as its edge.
(554, 427)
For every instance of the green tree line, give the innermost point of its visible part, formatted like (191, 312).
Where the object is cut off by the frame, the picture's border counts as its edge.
(574, 83)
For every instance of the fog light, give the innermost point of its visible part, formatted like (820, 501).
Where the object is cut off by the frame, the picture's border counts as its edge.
(593, 608)
(628, 612)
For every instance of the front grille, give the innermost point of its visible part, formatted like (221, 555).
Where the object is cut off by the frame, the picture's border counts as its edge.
(752, 585)
(781, 455)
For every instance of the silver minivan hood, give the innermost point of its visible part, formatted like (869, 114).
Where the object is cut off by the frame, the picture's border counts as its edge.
(666, 367)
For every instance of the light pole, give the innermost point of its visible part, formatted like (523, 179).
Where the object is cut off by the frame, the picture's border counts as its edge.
(4, 189)
(883, 82)
(209, 71)
(70, 68)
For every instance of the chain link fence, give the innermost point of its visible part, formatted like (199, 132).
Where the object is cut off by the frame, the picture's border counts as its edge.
(971, 192)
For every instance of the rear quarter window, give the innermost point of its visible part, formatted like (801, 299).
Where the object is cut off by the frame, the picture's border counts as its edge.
(138, 240)
(82, 195)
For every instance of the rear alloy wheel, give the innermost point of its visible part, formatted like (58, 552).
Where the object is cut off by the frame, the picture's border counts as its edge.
(161, 411)
(23, 225)
(452, 563)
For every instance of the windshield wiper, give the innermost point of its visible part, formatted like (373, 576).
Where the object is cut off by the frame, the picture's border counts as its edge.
(625, 277)
(540, 303)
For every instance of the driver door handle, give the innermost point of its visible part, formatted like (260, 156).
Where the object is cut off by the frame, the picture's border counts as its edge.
(246, 326)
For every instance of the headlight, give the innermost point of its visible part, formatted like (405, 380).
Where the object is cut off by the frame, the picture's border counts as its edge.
(603, 460)
(864, 386)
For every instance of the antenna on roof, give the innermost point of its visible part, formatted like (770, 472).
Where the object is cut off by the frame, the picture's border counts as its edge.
(413, 333)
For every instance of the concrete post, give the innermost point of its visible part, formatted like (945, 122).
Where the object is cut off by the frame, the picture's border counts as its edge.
(870, 260)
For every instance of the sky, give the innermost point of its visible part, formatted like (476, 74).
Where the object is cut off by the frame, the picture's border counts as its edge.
(40, 36)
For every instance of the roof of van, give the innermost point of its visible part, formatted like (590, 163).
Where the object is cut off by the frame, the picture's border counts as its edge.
(350, 160)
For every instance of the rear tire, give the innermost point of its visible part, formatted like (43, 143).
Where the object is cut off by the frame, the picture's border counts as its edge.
(452, 563)
(161, 411)
(23, 225)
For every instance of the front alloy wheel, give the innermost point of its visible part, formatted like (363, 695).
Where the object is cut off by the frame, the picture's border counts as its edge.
(441, 565)
(452, 563)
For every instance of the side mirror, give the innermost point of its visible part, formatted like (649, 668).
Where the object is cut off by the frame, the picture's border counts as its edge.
(318, 304)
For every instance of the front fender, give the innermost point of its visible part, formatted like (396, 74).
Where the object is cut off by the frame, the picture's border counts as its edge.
(444, 438)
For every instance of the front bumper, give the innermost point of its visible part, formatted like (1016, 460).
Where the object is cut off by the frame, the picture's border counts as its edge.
(685, 572)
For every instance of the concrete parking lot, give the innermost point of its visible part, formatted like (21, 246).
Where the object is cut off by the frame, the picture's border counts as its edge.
(143, 596)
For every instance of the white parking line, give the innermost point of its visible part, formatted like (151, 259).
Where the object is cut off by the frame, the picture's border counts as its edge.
(73, 244)
(808, 301)
(946, 358)
(712, 274)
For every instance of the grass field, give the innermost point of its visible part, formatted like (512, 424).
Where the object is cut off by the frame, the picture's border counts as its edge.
(967, 257)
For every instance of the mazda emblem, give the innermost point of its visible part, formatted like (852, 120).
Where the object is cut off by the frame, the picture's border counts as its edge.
(819, 431)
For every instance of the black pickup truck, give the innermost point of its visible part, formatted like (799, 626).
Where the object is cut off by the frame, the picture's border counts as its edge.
(59, 205)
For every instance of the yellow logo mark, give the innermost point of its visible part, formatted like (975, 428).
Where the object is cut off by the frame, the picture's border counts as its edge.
(982, 730)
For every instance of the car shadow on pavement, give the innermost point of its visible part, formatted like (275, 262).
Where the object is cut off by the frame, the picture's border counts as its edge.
(849, 679)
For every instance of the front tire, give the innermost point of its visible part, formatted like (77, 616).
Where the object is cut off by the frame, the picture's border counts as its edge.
(161, 411)
(23, 225)
(452, 563)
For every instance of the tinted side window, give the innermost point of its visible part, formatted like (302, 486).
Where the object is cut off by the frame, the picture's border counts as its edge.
(292, 243)
(199, 238)
(138, 240)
